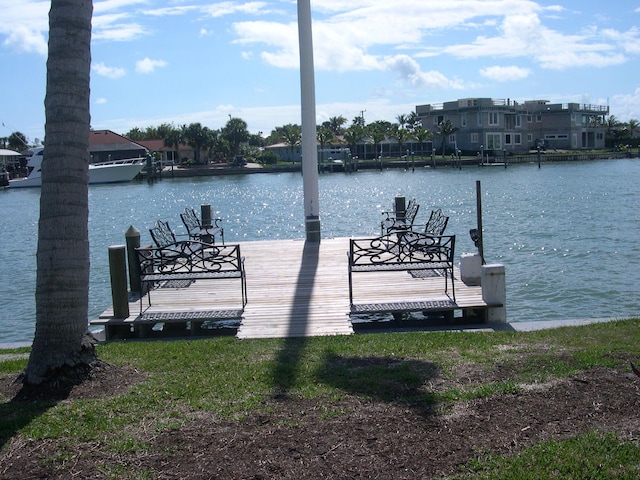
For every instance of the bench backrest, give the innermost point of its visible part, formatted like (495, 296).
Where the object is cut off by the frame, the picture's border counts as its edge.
(411, 212)
(191, 256)
(409, 249)
(191, 222)
(162, 234)
(437, 223)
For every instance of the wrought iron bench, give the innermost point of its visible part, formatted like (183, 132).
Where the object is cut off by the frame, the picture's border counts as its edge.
(162, 234)
(412, 253)
(397, 223)
(198, 231)
(190, 261)
(436, 224)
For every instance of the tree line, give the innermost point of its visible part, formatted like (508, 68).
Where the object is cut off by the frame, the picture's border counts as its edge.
(234, 139)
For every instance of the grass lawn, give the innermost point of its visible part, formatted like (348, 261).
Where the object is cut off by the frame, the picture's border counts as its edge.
(559, 403)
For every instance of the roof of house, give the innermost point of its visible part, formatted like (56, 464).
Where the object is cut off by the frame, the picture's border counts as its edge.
(106, 140)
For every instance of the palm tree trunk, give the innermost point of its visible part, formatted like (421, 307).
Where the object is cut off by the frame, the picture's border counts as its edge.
(62, 285)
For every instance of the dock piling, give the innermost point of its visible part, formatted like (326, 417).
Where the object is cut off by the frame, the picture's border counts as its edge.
(118, 272)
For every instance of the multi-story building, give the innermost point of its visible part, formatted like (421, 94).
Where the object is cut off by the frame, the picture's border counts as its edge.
(504, 126)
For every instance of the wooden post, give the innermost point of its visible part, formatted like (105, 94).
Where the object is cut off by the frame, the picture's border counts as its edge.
(132, 237)
(205, 215)
(118, 271)
(400, 208)
(479, 219)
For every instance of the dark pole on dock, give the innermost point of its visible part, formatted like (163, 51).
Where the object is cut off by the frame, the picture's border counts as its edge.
(538, 157)
(132, 237)
(479, 219)
(118, 272)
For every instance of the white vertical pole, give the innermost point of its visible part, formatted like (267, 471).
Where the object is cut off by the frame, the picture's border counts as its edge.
(309, 141)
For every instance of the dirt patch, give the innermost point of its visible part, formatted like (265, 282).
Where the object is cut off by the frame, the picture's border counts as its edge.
(348, 438)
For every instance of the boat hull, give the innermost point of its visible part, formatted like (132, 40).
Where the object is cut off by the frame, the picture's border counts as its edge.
(115, 172)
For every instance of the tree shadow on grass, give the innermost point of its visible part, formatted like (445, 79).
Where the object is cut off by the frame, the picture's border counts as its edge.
(382, 379)
(29, 403)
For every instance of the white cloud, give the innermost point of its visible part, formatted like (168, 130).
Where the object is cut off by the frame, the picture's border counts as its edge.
(525, 36)
(220, 9)
(410, 72)
(149, 66)
(505, 74)
(26, 40)
(629, 41)
(100, 101)
(626, 106)
(109, 72)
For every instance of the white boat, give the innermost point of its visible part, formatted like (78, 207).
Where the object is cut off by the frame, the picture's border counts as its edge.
(116, 171)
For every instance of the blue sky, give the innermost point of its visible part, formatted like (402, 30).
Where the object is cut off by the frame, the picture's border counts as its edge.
(182, 61)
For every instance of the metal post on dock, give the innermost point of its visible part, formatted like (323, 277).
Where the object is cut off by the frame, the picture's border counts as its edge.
(132, 237)
(118, 273)
(479, 219)
(538, 157)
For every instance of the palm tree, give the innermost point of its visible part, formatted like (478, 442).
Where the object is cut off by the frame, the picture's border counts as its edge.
(633, 125)
(291, 135)
(235, 132)
(401, 135)
(325, 136)
(421, 135)
(62, 350)
(353, 134)
(336, 123)
(378, 131)
(196, 136)
(173, 138)
(446, 129)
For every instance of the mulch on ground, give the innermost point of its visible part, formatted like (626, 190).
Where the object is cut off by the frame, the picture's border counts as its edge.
(351, 438)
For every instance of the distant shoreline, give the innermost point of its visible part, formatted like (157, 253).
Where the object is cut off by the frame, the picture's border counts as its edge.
(439, 162)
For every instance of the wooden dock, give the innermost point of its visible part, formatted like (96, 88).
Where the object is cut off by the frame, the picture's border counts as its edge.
(297, 289)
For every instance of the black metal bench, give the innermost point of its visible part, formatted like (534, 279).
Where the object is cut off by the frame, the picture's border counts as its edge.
(411, 252)
(162, 234)
(190, 261)
(436, 224)
(198, 231)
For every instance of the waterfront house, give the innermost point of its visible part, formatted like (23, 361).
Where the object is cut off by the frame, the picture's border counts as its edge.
(499, 126)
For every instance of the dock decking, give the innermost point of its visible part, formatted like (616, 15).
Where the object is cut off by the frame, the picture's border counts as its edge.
(297, 289)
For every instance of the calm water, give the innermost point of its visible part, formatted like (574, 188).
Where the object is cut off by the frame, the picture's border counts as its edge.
(568, 234)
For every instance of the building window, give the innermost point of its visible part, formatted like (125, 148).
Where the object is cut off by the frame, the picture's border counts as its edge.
(493, 118)
(517, 139)
(493, 141)
(518, 124)
(452, 138)
(507, 139)
(529, 137)
(538, 118)
(474, 138)
(463, 119)
(529, 118)
(479, 118)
